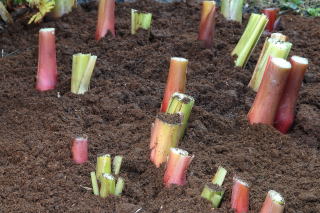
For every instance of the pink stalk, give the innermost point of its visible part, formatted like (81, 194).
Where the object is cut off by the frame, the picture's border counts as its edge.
(47, 62)
(79, 150)
(272, 14)
(265, 105)
(286, 110)
(207, 23)
(176, 171)
(274, 203)
(240, 196)
(106, 19)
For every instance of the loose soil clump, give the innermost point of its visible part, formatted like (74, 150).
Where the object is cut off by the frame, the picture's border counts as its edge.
(37, 173)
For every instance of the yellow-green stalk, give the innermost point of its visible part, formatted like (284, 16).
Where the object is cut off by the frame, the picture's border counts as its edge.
(232, 9)
(82, 68)
(4, 14)
(213, 191)
(119, 186)
(94, 182)
(62, 7)
(276, 46)
(140, 20)
(249, 39)
(108, 185)
(117, 161)
(181, 103)
(103, 165)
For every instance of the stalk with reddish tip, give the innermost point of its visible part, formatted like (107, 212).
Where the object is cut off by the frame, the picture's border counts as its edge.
(274, 203)
(106, 19)
(176, 170)
(267, 100)
(272, 14)
(240, 196)
(80, 150)
(47, 62)
(164, 135)
(286, 110)
(207, 23)
(176, 81)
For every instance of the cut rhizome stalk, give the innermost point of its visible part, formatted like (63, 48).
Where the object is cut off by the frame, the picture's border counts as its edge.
(106, 19)
(119, 186)
(164, 135)
(116, 163)
(62, 7)
(274, 203)
(103, 165)
(176, 81)
(214, 191)
(47, 61)
(4, 14)
(140, 20)
(108, 185)
(94, 183)
(267, 100)
(240, 196)
(232, 9)
(82, 69)
(272, 14)
(176, 169)
(276, 46)
(181, 103)
(249, 39)
(286, 110)
(80, 150)
(207, 23)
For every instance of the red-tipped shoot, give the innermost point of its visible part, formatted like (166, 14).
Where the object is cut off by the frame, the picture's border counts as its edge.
(267, 100)
(176, 81)
(207, 23)
(80, 150)
(47, 62)
(240, 196)
(176, 170)
(272, 14)
(286, 110)
(274, 203)
(106, 19)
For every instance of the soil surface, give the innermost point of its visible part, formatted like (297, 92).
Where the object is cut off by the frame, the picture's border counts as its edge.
(37, 173)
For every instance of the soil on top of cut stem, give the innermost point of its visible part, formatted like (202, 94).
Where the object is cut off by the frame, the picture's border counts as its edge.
(37, 173)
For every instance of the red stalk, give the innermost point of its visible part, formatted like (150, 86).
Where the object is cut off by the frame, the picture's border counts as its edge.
(47, 62)
(240, 196)
(176, 171)
(274, 203)
(270, 91)
(106, 19)
(176, 81)
(272, 14)
(286, 110)
(207, 23)
(79, 150)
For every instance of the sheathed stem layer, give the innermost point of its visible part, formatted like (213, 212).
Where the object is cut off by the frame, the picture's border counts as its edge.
(274, 203)
(207, 23)
(106, 19)
(240, 196)
(79, 150)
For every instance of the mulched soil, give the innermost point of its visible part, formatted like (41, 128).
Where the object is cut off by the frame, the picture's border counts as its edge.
(37, 173)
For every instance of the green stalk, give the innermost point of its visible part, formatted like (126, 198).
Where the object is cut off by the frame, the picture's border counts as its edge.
(94, 183)
(249, 39)
(103, 165)
(140, 20)
(62, 7)
(117, 161)
(232, 9)
(276, 46)
(108, 185)
(219, 176)
(119, 187)
(213, 191)
(82, 68)
(181, 103)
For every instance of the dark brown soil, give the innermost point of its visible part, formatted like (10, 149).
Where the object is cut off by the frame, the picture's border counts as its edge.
(36, 171)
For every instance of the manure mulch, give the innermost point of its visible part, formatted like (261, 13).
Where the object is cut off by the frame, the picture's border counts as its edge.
(36, 172)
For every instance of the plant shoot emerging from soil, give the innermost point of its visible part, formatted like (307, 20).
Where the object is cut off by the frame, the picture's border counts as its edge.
(207, 23)
(106, 19)
(273, 203)
(272, 14)
(232, 9)
(80, 150)
(240, 196)
(62, 7)
(140, 20)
